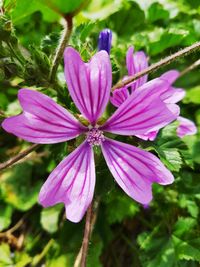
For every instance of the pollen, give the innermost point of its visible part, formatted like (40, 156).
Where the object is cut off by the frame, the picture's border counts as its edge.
(95, 137)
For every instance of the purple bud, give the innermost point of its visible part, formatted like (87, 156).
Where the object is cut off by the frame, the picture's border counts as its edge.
(105, 39)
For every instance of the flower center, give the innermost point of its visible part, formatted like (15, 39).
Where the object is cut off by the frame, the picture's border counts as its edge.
(95, 137)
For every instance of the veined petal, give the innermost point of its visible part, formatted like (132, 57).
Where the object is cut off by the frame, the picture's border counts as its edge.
(89, 84)
(148, 136)
(186, 127)
(71, 182)
(43, 121)
(134, 169)
(119, 96)
(142, 112)
(136, 62)
(173, 95)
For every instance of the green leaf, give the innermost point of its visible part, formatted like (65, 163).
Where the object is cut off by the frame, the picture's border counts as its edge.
(124, 205)
(101, 9)
(171, 149)
(187, 250)
(50, 217)
(62, 5)
(22, 259)
(170, 38)
(165, 257)
(62, 260)
(171, 158)
(5, 256)
(22, 10)
(182, 225)
(192, 96)
(5, 216)
(157, 12)
(190, 205)
(18, 188)
(127, 16)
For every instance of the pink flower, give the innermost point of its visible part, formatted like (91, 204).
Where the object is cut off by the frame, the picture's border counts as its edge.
(72, 182)
(136, 62)
(186, 127)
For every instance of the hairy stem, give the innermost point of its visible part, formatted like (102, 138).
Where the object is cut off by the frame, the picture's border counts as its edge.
(184, 52)
(61, 47)
(16, 158)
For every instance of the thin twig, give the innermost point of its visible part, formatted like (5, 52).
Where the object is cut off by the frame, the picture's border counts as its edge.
(184, 52)
(78, 260)
(16, 158)
(37, 259)
(190, 68)
(86, 236)
(68, 25)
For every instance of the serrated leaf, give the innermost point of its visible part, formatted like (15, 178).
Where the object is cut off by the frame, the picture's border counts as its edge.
(182, 225)
(171, 157)
(187, 250)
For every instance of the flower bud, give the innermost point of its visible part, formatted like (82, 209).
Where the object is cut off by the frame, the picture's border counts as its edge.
(105, 39)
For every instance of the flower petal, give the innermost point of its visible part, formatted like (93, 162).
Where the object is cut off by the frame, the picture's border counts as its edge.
(186, 127)
(134, 169)
(136, 62)
(43, 121)
(89, 84)
(142, 112)
(173, 95)
(71, 182)
(148, 136)
(170, 76)
(119, 96)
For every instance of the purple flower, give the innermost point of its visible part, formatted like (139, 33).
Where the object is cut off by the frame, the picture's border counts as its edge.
(105, 39)
(72, 182)
(136, 62)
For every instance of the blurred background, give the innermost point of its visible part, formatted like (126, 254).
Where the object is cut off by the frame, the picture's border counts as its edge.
(164, 234)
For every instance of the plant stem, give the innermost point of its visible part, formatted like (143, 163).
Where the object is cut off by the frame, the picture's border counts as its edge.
(61, 47)
(184, 52)
(16, 158)
(37, 259)
(191, 67)
(91, 217)
(86, 236)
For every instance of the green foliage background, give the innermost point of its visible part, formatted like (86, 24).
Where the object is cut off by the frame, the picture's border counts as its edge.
(167, 233)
